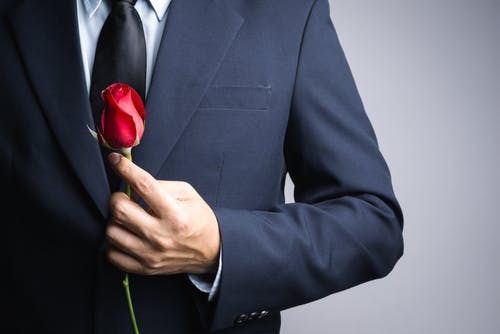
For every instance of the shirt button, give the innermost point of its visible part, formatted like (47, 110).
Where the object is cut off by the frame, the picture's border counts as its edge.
(241, 319)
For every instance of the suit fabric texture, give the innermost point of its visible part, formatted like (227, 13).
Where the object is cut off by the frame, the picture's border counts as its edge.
(243, 92)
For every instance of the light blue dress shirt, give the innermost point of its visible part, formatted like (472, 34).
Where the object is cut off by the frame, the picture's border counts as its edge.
(153, 13)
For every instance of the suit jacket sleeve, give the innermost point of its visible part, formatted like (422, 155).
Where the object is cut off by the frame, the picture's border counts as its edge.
(345, 227)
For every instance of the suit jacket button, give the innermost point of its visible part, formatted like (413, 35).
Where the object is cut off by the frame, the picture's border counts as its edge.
(241, 319)
(253, 315)
(263, 314)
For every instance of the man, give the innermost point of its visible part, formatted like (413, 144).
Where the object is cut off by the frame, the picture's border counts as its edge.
(241, 92)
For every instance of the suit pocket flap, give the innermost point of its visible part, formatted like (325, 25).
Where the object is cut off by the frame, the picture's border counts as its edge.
(237, 98)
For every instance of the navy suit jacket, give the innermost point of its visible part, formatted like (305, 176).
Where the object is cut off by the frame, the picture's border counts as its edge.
(243, 92)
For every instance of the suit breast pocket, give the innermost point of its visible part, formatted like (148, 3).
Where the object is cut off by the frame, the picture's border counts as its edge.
(237, 98)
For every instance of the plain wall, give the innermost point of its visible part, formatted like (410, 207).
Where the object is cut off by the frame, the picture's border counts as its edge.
(428, 72)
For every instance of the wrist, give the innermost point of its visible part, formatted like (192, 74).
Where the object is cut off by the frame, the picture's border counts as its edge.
(213, 246)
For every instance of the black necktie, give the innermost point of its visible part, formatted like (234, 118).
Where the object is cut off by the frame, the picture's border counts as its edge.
(120, 57)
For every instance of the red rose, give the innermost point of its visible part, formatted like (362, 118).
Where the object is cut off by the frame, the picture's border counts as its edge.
(122, 119)
(121, 128)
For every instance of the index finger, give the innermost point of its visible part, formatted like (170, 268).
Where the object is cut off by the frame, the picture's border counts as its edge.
(143, 184)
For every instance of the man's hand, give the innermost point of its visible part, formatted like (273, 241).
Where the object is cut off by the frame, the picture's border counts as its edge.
(179, 232)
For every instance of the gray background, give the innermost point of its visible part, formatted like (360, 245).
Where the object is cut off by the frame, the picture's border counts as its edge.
(429, 75)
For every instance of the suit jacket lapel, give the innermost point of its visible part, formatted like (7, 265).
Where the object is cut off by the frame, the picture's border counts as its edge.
(197, 35)
(48, 40)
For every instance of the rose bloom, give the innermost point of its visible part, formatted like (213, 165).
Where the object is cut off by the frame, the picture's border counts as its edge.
(122, 119)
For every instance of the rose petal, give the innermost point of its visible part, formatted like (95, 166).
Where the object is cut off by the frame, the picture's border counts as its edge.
(139, 105)
(117, 127)
(122, 120)
(140, 131)
(120, 130)
(118, 91)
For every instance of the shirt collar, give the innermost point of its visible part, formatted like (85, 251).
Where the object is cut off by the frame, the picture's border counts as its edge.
(159, 7)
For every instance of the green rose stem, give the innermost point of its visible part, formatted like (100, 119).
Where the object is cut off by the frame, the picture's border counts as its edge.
(125, 282)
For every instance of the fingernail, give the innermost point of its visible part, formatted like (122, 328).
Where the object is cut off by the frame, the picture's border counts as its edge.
(114, 158)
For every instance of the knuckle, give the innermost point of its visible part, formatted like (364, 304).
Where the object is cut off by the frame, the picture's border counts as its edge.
(111, 232)
(182, 228)
(181, 224)
(159, 242)
(164, 244)
(180, 218)
(145, 269)
(111, 255)
(145, 184)
(152, 262)
(118, 207)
